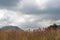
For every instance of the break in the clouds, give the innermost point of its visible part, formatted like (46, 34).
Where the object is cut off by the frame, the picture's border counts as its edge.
(29, 13)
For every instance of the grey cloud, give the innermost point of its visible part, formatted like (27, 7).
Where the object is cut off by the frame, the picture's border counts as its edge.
(30, 9)
(52, 7)
(8, 3)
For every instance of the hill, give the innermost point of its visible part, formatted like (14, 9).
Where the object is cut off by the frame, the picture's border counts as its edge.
(10, 28)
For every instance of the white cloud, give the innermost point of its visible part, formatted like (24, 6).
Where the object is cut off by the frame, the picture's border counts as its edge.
(2, 12)
(41, 3)
(10, 17)
(17, 19)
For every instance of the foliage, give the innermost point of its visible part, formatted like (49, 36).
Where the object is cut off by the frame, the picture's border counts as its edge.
(52, 27)
(31, 35)
(25, 35)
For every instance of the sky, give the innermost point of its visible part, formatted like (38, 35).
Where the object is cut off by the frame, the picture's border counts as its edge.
(29, 13)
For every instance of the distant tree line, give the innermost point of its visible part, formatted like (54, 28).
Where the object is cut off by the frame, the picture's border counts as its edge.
(52, 27)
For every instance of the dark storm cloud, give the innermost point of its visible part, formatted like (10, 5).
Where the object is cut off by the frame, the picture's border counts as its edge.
(8, 3)
(52, 7)
(31, 9)
(49, 10)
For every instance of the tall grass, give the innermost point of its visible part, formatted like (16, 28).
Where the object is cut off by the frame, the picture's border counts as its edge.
(25, 35)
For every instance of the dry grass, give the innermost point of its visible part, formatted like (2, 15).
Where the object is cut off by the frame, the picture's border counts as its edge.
(35, 35)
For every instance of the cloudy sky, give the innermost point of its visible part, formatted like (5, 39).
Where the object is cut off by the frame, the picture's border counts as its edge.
(29, 13)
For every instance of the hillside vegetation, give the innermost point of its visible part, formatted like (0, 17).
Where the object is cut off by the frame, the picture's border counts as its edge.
(51, 34)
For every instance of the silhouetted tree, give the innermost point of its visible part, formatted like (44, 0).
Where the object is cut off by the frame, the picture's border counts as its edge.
(54, 27)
